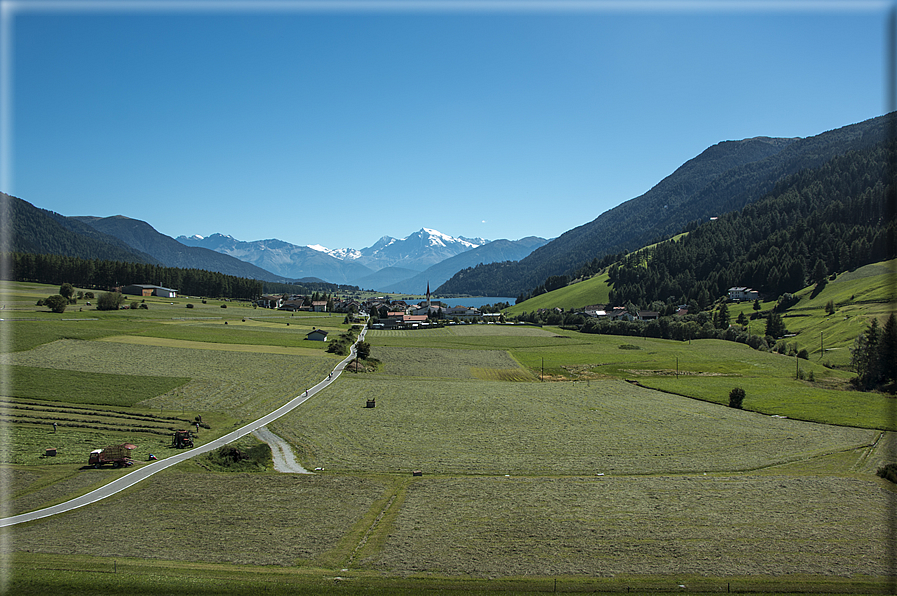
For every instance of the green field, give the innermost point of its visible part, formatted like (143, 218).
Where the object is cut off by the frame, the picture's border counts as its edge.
(541, 467)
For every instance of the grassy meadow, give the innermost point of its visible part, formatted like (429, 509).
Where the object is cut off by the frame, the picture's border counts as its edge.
(546, 460)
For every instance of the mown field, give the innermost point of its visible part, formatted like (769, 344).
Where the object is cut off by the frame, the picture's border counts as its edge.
(579, 482)
(495, 427)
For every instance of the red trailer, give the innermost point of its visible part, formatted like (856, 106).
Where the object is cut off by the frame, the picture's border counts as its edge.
(117, 455)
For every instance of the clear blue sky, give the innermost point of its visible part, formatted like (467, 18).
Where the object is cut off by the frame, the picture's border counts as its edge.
(338, 127)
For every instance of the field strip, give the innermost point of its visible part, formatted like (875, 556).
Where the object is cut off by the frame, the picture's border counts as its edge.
(203, 345)
(144, 472)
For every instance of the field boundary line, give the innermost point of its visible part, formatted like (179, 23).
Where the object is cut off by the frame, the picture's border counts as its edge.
(161, 342)
(379, 526)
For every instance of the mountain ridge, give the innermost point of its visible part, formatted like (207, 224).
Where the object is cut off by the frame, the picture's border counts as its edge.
(721, 179)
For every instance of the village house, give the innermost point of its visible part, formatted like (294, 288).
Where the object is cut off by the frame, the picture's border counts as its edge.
(269, 301)
(462, 313)
(741, 294)
(319, 306)
(595, 310)
(619, 313)
(293, 305)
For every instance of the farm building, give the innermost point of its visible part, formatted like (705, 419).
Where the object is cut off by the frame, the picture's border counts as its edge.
(149, 290)
(317, 335)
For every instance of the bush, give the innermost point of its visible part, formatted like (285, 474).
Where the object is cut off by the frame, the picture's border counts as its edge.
(189, 305)
(56, 303)
(223, 306)
(240, 458)
(803, 354)
(736, 398)
(110, 301)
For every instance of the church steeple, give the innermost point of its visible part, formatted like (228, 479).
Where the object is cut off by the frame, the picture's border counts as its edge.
(428, 296)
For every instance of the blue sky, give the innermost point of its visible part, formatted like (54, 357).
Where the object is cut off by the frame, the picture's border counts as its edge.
(338, 126)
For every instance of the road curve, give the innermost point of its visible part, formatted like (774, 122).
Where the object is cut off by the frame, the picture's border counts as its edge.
(148, 470)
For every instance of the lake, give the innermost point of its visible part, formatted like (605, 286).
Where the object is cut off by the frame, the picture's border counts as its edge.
(476, 301)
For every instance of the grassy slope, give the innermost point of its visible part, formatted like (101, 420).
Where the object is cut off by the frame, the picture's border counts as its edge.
(858, 296)
(594, 290)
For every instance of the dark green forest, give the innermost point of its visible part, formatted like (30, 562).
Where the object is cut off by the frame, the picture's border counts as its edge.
(814, 223)
(105, 275)
(29, 229)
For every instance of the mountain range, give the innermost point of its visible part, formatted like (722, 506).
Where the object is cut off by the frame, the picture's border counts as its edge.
(722, 179)
(405, 265)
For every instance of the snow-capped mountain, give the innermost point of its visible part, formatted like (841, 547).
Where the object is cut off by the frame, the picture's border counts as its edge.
(416, 252)
(283, 258)
(343, 254)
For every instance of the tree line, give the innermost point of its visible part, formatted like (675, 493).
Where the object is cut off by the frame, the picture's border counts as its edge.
(105, 275)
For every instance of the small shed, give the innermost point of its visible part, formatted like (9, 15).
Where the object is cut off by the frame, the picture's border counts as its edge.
(317, 335)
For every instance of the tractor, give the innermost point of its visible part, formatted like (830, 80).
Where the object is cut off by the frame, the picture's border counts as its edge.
(182, 439)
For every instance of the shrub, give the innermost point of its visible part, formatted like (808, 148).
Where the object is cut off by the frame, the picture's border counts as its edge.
(803, 354)
(240, 458)
(223, 306)
(110, 301)
(189, 305)
(56, 303)
(736, 398)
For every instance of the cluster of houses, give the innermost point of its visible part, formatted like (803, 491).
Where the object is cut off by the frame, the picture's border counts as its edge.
(295, 303)
(390, 314)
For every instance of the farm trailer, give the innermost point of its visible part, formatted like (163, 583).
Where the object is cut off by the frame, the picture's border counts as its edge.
(117, 455)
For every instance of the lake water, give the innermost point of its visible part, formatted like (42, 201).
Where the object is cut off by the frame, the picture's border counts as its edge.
(476, 301)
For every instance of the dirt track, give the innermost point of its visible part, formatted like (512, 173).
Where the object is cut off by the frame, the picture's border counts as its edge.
(284, 460)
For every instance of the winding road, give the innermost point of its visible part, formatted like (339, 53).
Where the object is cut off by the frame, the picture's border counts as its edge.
(148, 470)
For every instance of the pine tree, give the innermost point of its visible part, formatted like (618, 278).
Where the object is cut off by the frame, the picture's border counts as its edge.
(864, 355)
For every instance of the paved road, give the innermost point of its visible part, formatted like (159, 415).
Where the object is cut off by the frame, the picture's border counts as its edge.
(148, 470)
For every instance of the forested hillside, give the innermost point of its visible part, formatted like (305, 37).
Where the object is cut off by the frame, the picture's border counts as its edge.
(171, 253)
(820, 221)
(30, 229)
(724, 178)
